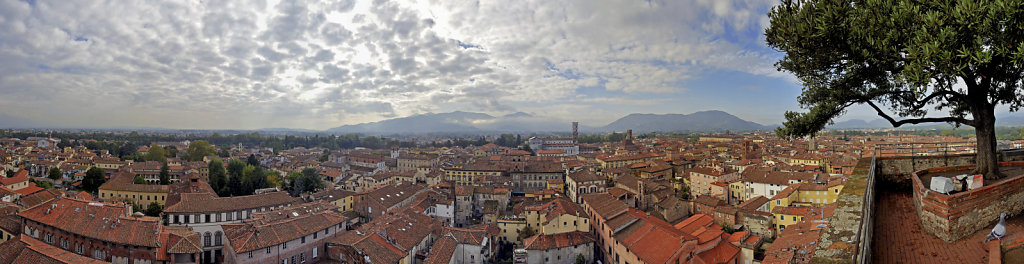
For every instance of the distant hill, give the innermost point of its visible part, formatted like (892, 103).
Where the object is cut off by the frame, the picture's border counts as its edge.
(454, 122)
(468, 122)
(699, 121)
(1008, 119)
(858, 123)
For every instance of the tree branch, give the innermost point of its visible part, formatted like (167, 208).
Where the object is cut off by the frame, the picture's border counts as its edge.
(918, 120)
(921, 103)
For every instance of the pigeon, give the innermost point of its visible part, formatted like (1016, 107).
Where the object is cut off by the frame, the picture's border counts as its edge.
(999, 231)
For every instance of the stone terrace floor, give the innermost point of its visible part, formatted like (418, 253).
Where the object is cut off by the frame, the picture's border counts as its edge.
(899, 238)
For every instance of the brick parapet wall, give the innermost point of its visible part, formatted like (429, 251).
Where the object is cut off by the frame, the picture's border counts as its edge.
(955, 216)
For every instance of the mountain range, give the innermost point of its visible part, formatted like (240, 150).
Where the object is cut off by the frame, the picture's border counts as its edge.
(468, 122)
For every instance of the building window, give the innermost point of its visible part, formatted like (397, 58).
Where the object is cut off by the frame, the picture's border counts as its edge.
(268, 250)
(206, 239)
(250, 254)
(303, 239)
(217, 239)
(314, 234)
(314, 252)
(284, 245)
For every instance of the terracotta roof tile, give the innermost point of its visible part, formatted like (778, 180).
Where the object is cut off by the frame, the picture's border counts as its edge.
(98, 221)
(20, 176)
(205, 202)
(604, 204)
(442, 250)
(560, 240)
(25, 249)
(269, 230)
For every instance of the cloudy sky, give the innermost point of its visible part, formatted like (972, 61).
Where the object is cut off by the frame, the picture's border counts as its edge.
(321, 64)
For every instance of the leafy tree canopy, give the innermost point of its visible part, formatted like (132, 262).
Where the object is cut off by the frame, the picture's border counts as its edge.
(903, 58)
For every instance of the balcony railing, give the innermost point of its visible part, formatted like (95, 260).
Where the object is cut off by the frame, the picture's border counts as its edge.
(925, 149)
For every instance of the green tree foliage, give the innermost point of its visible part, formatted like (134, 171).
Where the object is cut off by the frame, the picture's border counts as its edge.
(156, 153)
(165, 174)
(199, 149)
(508, 140)
(93, 179)
(273, 178)
(252, 160)
(41, 183)
(527, 232)
(903, 58)
(307, 181)
(139, 179)
(235, 173)
(54, 173)
(218, 177)
(128, 148)
(253, 178)
(324, 156)
(112, 142)
(234, 186)
(580, 259)
(172, 151)
(613, 137)
(728, 228)
(154, 209)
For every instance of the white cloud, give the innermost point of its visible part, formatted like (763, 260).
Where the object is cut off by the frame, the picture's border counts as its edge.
(319, 64)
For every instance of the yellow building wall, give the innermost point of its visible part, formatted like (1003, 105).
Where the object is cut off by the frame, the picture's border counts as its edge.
(140, 198)
(784, 220)
(509, 229)
(736, 189)
(566, 223)
(345, 204)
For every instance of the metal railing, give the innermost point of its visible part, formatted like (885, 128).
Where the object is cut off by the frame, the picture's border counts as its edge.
(867, 217)
(925, 149)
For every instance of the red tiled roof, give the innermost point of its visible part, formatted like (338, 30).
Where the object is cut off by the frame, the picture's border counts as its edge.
(99, 221)
(556, 241)
(32, 188)
(38, 198)
(442, 250)
(253, 234)
(792, 210)
(604, 204)
(585, 175)
(25, 249)
(653, 240)
(206, 202)
(752, 204)
(125, 181)
(557, 207)
(20, 176)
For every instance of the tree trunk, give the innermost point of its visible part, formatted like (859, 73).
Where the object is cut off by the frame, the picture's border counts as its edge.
(985, 130)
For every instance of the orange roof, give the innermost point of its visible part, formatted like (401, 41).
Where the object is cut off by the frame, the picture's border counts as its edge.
(791, 210)
(29, 190)
(19, 177)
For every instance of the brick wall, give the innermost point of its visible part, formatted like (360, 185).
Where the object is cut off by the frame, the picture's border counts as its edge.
(952, 217)
(895, 172)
